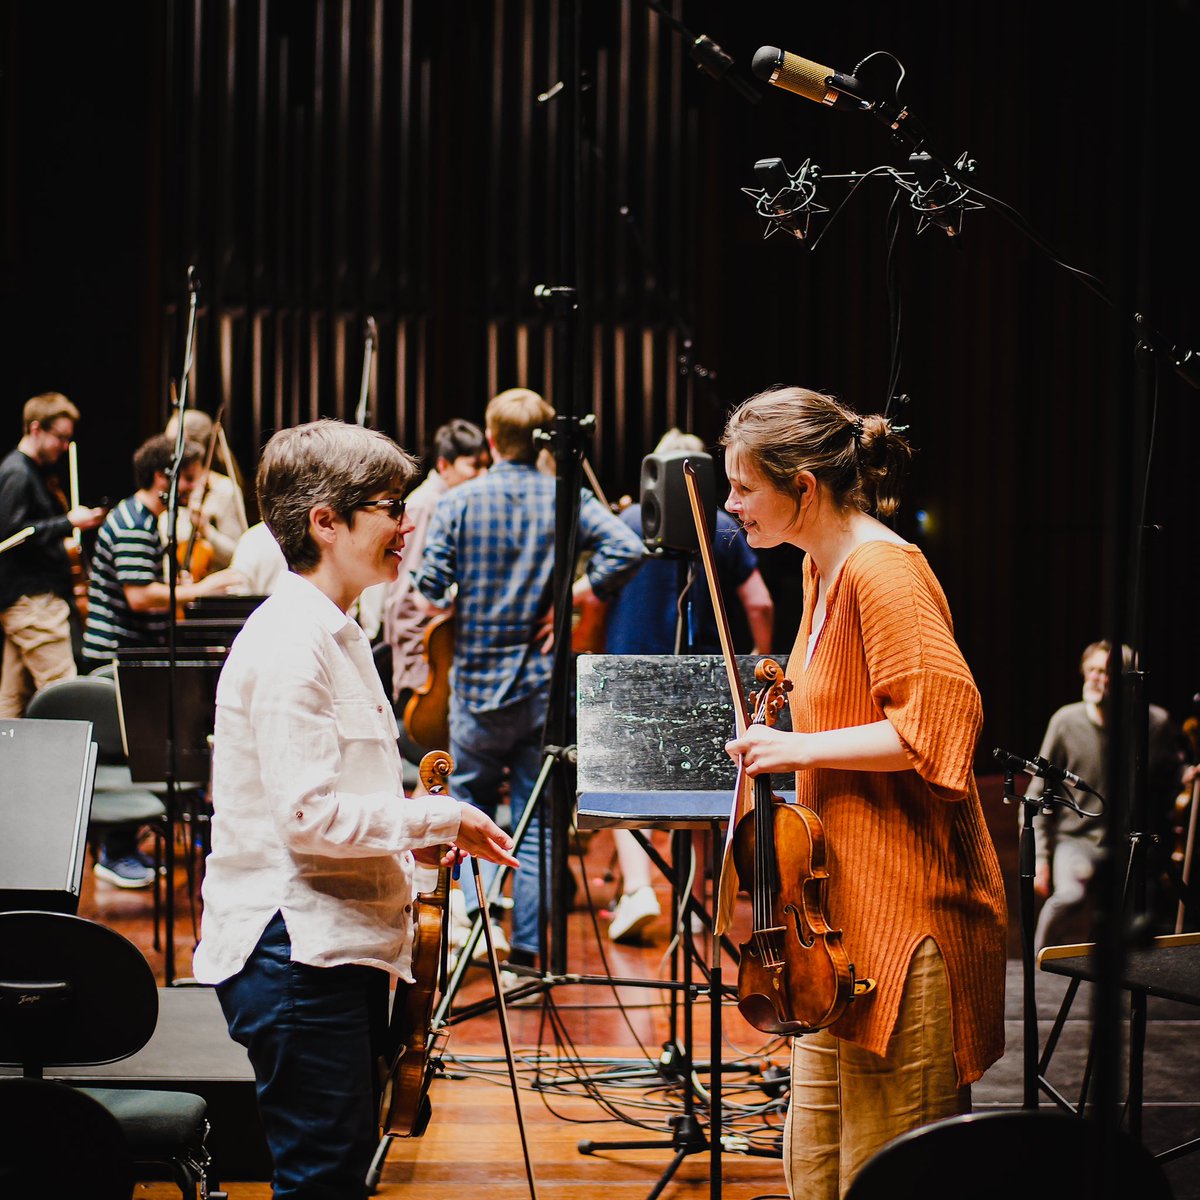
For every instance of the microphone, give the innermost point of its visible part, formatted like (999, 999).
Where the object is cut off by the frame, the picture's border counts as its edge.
(938, 199)
(786, 199)
(1041, 768)
(808, 79)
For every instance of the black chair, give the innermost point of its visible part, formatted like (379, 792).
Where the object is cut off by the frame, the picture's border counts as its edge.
(1037, 1155)
(57, 1138)
(116, 801)
(74, 993)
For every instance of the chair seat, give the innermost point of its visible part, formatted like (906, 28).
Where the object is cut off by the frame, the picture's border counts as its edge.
(120, 807)
(113, 776)
(158, 1126)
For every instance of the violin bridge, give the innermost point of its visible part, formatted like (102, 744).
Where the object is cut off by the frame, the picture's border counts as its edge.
(769, 943)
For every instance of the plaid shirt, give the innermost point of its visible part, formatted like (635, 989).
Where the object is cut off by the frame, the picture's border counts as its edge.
(494, 537)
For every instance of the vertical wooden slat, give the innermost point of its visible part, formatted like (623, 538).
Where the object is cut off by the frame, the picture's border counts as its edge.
(372, 197)
(350, 140)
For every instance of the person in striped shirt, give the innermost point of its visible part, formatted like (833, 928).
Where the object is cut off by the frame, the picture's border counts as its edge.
(127, 595)
(128, 600)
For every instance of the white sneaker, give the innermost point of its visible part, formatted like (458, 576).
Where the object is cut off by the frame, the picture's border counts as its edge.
(458, 911)
(498, 940)
(632, 914)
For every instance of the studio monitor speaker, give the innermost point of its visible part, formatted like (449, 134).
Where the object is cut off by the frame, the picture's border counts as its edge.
(667, 522)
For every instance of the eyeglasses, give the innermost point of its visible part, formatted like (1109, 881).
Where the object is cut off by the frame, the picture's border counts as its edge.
(63, 439)
(392, 506)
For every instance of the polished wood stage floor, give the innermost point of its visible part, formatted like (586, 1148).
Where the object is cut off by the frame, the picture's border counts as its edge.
(596, 1061)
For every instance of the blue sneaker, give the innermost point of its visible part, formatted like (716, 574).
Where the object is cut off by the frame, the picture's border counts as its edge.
(128, 872)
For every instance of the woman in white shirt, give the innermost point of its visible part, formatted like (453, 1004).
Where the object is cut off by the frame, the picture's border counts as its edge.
(316, 852)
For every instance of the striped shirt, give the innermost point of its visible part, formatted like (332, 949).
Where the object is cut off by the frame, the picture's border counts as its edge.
(127, 554)
(494, 537)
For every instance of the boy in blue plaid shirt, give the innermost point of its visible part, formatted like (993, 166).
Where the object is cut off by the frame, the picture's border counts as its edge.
(493, 538)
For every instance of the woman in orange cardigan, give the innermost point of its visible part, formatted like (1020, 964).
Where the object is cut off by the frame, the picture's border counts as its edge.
(885, 716)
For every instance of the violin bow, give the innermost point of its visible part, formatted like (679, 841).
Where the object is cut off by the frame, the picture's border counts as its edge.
(727, 888)
(197, 508)
(73, 478)
(497, 982)
(364, 387)
(231, 469)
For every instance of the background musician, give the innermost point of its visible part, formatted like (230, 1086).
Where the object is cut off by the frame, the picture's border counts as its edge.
(217, 507)
(128, 603)
(493, 537)
(35, 575)
(459, 453)
(127, 595)
(1069, 844)
(644, 617)
(309, 888)
(886, 716)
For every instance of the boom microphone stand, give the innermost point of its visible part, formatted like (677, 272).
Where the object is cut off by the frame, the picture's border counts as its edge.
(172, 762)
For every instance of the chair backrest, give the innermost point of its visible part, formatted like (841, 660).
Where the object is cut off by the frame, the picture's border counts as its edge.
(85, 698)
(72, 992)
(1037, 1155)
(56, 1140)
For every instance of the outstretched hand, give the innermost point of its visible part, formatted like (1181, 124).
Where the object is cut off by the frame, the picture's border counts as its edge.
(479, 835)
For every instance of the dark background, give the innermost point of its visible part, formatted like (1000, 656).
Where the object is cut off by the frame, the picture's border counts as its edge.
(321, 161)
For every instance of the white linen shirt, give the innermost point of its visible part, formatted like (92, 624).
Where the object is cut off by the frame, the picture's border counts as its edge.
(309, 818)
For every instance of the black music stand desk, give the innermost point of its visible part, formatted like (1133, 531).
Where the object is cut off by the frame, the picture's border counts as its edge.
(1169, 968)
(143, 677)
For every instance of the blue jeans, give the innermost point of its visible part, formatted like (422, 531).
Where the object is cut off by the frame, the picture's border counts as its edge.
(482, 744)
(314, 1036)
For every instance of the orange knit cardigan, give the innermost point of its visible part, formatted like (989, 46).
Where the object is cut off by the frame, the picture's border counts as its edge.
(909, 854)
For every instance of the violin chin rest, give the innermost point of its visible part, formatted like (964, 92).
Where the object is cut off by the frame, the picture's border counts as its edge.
(761, 1013)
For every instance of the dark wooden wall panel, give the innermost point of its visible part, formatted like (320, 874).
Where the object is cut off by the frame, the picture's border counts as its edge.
(307, 157)
(320, 161)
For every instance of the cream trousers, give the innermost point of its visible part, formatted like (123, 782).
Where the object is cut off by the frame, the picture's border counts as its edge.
(847, 1103)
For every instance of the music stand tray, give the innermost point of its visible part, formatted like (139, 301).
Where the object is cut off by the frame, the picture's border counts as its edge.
(142, 678)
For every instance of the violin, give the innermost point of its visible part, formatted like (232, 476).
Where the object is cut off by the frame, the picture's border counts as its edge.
(404, 1109)
(74, 543)
(196, 555)
(794, 976)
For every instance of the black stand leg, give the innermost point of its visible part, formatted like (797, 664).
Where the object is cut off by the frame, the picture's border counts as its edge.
(1026, 865)
(688, 1136)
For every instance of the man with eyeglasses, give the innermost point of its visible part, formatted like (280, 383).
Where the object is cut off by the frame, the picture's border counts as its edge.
(35, 571)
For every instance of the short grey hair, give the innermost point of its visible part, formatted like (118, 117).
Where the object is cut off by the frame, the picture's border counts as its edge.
(324, 462)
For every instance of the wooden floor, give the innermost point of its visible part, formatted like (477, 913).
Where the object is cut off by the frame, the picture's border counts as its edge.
(588, 1064)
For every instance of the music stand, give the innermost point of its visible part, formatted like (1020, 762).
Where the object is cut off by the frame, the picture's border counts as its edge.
(646, 765)
(142, 677)
(178, 688)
